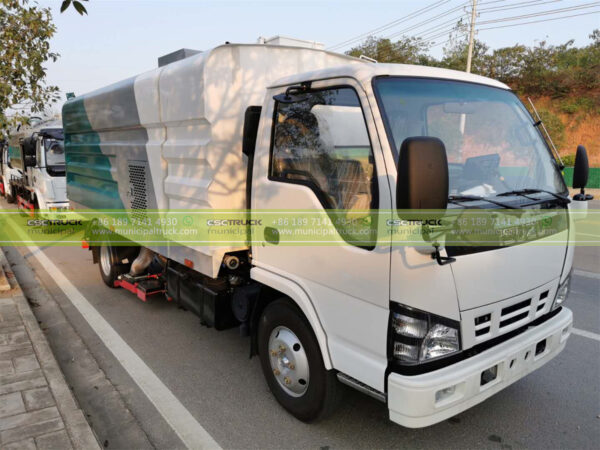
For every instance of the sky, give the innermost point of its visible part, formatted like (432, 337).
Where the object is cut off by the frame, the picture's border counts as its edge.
(122, 38)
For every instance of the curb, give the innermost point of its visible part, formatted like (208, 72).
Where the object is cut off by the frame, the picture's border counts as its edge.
(77, 427)
(4, 284)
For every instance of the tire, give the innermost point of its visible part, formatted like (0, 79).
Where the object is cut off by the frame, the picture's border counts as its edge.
(282, 325)
(110, 267)
(10, 198)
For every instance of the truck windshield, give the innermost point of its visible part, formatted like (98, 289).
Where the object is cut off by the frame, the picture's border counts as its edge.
(492, 143)
(55, 155)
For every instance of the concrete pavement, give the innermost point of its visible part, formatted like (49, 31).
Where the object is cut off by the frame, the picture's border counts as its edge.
(37, 409)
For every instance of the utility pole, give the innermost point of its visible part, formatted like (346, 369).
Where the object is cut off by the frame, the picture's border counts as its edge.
(471, 35)
(463, 117)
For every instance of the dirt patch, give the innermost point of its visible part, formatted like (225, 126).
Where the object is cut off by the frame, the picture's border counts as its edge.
(580, 128)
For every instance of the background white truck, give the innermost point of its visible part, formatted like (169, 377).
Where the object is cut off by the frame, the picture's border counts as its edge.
(429, 331)
(9, 170)
(34, 167)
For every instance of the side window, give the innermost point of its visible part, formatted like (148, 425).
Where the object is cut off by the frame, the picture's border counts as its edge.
(322, 142)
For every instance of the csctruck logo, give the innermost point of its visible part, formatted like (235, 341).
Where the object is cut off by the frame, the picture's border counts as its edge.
(404, 223)
(229, 222)
(48, 222)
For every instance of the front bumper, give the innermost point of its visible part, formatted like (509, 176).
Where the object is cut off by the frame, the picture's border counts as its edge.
(412, 399)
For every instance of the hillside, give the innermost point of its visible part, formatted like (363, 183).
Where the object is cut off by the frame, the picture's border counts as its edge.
(572, 121)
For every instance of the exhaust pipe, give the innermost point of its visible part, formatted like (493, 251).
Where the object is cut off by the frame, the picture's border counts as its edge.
(142, 261)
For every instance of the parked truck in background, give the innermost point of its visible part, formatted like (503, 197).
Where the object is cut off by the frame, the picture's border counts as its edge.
(10, 169)
(269, 127)
(34, 167)
(3, 146)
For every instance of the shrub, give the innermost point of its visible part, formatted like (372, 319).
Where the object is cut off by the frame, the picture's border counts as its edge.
(568, 107)
(579, 104)
(554, 126)
(568, 160)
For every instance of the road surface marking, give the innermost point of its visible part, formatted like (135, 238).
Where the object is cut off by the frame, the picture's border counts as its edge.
(587, 334)
(193, 435)
(583, 273)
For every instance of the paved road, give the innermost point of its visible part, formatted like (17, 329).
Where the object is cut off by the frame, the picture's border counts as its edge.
(211, 375)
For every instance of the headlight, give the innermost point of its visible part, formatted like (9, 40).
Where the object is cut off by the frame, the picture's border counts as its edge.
(420, 337)
(562, 292)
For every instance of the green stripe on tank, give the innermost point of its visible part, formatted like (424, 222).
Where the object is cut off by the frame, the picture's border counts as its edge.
(90, 180)
(14, 152)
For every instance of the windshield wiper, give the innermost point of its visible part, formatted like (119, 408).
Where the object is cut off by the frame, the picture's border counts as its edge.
(526, 191)
(466, 198)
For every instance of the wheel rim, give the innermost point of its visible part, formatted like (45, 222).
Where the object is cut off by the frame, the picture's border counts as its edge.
(105, 260)
(288, 361)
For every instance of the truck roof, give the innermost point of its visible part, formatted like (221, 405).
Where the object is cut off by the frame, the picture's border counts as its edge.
(365, 72)
(43, 126)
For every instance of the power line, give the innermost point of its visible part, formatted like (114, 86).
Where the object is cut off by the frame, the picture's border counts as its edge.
(518, 24)
(412, 16)
(445, 42)
(440, 26)
(413, 27)
(390, 24)
(425, 35)
(428, 30)
(432, 29)
(545, 13)
(527, 4)
(428, 37)
(538, 21)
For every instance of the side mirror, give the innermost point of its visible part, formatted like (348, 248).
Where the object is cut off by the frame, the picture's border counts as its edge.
(422, 181)
(581, 173)
(29, 160)
(28, 148)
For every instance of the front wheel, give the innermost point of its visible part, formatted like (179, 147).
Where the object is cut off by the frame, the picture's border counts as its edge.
(10, 198)
(110, 266)
(292, 363)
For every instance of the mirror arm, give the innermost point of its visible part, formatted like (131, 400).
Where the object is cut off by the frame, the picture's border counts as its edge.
(441, 260)
(582, 196)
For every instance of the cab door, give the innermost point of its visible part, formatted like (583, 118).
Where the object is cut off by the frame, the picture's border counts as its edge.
(319, 157)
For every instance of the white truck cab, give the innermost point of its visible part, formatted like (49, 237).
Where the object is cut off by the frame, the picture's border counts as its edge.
(429, 330)
(42, 185)
(428, 336)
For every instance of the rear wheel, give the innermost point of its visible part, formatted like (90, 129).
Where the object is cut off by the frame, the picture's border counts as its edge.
(293, 365)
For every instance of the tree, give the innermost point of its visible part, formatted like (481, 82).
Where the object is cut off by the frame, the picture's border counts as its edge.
(25, 32)
(408, 50)
(455, 56)
(506, 64)
(76, 4)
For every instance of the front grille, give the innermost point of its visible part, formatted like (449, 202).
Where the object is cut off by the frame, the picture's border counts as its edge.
(515, 313)
(490, 321)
